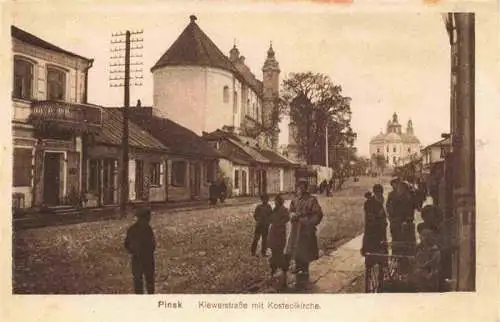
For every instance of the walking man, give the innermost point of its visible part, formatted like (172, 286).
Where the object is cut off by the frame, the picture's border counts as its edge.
(140, 243)
(306, 214)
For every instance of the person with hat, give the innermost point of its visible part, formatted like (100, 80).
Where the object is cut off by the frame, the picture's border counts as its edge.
(262, 216)
(141, 244)
(277, 237)
(302, 246)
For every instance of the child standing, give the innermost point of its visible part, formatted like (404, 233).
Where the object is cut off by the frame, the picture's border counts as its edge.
(140, 243)
(277, 237)
(427, 261)
(261, 215)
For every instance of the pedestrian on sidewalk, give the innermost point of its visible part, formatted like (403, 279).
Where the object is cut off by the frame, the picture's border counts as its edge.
(213, 193)
(262, 216)
(426, 271)
(140, 243)
(375, 236)
(277, 237)
(302, 246)
(374, 247)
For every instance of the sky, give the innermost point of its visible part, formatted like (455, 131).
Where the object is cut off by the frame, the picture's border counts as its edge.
(387, 62)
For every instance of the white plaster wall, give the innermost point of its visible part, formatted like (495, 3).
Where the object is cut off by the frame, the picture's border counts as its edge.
(74, 66)
(193, 96)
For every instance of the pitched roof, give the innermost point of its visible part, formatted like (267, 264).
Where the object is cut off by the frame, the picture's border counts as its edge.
(253, 154)
(446, 141)
(194, 47)
(177, 138)
(112, 130)
(35, 41)
(276, 158)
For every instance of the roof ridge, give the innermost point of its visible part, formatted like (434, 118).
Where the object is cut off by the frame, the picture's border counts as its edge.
(30, 38)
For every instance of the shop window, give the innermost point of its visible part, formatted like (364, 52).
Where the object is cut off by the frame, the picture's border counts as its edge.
(23, 79)
(93, 176)
(236, 179)
(155, 173)
(56, 84)
(179, 173)
(22, 167)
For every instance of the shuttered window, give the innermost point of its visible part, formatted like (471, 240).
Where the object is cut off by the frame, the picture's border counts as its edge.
(155, 170)
(23, 79)
(22, 167)
(56, 84)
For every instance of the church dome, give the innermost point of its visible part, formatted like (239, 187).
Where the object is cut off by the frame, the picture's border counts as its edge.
(380, 138)
(393, 138)
(410, 139)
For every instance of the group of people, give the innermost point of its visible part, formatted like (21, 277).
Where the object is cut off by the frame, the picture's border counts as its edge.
(217, 191)
(402, 202)
(300, 243)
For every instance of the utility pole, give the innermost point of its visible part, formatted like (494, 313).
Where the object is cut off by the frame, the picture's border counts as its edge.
(122, 64)
(326, 144)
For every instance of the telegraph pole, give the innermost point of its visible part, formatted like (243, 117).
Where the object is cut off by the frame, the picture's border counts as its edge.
(326, 144)
(122, 64)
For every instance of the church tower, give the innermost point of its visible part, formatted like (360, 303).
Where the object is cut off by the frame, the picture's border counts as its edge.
(271, 83)
(409, 128)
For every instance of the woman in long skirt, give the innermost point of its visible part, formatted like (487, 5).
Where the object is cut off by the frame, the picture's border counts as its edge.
(277, 237)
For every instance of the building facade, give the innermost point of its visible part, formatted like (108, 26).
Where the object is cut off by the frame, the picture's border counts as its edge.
(396, 146)
(51, 123)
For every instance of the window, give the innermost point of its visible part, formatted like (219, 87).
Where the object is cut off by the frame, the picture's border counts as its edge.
(235, 102)
(225, 94)
(93, 175)
(394, 149)
(236, 179)
(179, 173)
(22, 167)
(56, 84)
(378, 150)
(387, 149)
(154, 175)
(23, 79)
(393, 160)
(409, 150)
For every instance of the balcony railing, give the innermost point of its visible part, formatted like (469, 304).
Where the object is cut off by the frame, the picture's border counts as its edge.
(76, 116)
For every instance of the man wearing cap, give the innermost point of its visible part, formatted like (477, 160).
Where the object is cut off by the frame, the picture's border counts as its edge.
(140, 243)
(306, 214)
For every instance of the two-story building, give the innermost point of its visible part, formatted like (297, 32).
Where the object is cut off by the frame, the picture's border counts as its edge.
(51, 123)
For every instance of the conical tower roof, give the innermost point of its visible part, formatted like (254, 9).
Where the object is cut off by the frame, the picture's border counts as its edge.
(194, 48)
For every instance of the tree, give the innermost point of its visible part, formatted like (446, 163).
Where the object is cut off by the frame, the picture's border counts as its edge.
(315, 103)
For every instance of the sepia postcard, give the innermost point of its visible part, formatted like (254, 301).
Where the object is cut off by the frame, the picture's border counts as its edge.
(331, 160)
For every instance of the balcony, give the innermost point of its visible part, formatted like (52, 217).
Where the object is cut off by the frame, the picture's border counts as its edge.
(67, 116)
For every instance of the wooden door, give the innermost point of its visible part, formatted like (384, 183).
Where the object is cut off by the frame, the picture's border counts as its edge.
(108, 182)
(51, 178)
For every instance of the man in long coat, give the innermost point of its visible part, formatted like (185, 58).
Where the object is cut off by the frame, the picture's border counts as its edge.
(306, 214)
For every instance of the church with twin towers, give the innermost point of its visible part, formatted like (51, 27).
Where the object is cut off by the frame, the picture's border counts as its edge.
(199, 87)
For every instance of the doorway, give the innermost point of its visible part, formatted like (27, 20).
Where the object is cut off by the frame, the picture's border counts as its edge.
(52, 178)
(139, 179)
(108, 181)
(243, 182)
